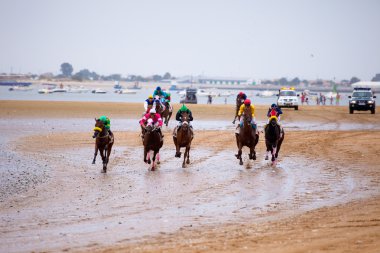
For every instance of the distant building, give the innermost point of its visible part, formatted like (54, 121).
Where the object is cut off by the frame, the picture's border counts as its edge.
(225, 81)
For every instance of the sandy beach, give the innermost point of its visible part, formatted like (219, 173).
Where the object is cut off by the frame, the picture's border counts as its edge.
(322, 196)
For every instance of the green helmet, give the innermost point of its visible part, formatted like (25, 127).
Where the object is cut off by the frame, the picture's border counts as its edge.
(103, 119)
(183, 108)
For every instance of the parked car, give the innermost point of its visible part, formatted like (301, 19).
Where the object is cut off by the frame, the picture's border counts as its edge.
(362, 99)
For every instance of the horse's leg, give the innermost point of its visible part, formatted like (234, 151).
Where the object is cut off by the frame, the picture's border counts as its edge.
(148, 156)
(158, 157)
(95, 154)
(145, 155)
(252, 153)
(239, 154)
(274, 148)
(154, 159)
(108, 153)
(102, 152)
(177, 151)
(268, 150)
(279, 144)
(184, 157)
(170, 115)
(188, 154)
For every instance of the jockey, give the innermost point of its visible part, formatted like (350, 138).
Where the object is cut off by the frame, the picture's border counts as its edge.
(274, 110)
(241, 96)
(149, 104)
(156, 117)
(159, 92)
(239, 101)
(247, 103)
(178, 117)
(107, 123)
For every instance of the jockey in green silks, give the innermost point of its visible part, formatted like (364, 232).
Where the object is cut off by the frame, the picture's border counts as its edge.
(107, 123)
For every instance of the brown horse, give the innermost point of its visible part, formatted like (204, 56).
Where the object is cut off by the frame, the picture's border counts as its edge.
(152, 142)
(247, 136)
(159, 108)
(239, 102)
(273, 139)
(183, 138)
(104, 142)
(166, 114)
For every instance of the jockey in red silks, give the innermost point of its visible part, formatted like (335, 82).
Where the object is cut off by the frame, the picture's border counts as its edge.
(274, 110)
(152, 118)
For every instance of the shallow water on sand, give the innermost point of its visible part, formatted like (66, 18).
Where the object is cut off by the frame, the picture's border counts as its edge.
(75, 205)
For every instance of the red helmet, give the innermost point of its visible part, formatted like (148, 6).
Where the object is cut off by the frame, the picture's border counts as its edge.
(241, 93)
(247, 102)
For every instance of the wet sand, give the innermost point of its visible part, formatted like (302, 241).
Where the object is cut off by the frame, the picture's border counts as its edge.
(322, 196)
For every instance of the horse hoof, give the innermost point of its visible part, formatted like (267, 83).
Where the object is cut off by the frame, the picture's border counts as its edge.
(241, 163)
(188, 161)
(273, 159)
(158, 162)
(183, 165)
(266, 158)
(148, 161)
(153, 169)
(93, 162)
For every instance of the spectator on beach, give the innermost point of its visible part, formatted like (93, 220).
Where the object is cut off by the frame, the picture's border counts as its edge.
(302, 98)
(331, 100)
(337, 99)
(209, 100)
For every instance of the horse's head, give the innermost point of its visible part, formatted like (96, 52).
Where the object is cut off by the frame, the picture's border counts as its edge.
(273, 120)
(185, 117)
(99, 127)
(247, 115)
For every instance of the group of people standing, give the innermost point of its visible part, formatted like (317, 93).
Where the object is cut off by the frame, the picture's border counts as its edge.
(320, 99)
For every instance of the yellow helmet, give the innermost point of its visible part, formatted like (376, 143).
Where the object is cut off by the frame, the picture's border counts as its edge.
(150, 96)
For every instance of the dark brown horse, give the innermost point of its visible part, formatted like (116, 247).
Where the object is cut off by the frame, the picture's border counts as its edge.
(152, 142)
(247, 137)
(273, 138)
(166, 114)
(103, 142)
(183, 139)
(239, 102)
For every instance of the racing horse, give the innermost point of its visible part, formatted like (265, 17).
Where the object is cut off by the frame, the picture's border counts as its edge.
(183, 138)
(103, 142)
(239, 102)
(152, 142)
(166, 113)
(273, 138)
(247, 136)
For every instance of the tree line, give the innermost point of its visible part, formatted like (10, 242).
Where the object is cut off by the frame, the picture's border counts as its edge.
(85, 74)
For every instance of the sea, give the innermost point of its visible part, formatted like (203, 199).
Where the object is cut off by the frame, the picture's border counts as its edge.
(141, 95)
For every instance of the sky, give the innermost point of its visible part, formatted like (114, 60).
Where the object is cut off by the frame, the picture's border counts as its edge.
(309, 39)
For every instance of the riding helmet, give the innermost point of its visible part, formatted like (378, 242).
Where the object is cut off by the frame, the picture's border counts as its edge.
(247, 102)
(150, 96)
(183, 108)
(158, 88)
(103, 119)
(273, 105)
